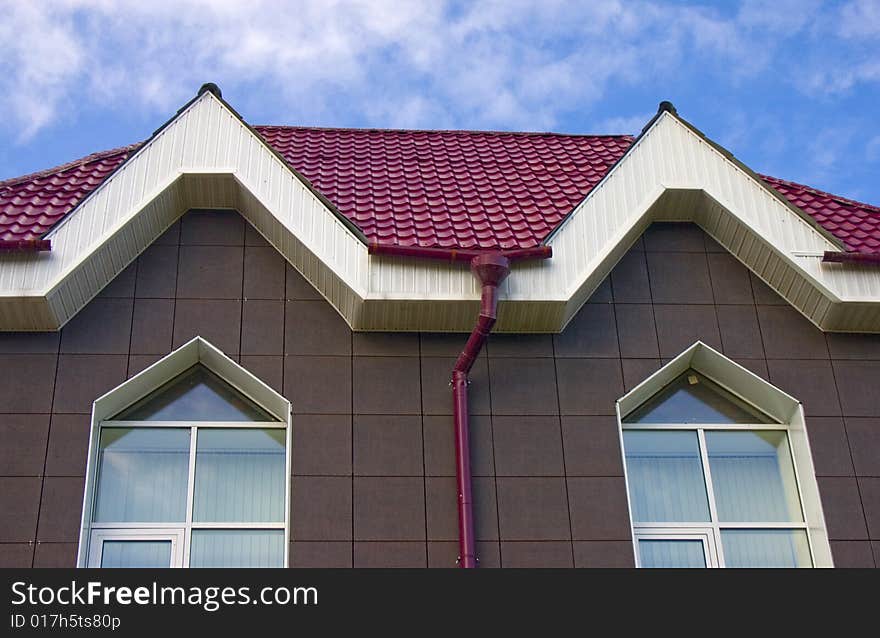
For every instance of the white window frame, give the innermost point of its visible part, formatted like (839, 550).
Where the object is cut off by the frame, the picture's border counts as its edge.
(680, 533)
(761, 396)
(188, 525)
(714, 526)
(196, 351)
(99, 535)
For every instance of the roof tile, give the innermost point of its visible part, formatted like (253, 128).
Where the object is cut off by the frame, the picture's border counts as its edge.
(463, 189)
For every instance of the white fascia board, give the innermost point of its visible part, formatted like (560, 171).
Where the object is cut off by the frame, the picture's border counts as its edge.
(671, 157)
(732, 206)
(153, 188)
(206, 157)
(204, 139)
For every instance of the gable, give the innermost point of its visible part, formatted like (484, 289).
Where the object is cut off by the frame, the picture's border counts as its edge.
(694, 398)
(165, 375)
(196, 394)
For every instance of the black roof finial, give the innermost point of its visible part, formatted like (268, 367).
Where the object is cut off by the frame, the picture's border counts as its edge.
(213, 88)
(667, 106)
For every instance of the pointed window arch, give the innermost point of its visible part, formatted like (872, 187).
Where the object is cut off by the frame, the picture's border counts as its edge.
(188, 467)
(718, 469)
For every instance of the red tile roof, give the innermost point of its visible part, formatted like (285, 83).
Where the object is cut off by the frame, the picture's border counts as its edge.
(442, 189)
(30, 205)
(856, 224)
(449, 189)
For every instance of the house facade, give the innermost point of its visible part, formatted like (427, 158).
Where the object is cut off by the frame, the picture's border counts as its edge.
(279, 346)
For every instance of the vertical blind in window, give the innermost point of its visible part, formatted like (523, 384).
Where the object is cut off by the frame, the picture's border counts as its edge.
(240, 475)
(766, 548)
(142, 475)
(665, 476)
(753, 476)
(237, 548)
(672, 553)
(136, 554)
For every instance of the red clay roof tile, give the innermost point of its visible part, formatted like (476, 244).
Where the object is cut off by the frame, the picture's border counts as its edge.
(450, 189)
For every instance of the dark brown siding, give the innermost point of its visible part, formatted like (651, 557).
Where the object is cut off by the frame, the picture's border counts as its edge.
(373, 472)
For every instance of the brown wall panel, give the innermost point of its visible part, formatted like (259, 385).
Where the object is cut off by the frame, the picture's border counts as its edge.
(373, 460)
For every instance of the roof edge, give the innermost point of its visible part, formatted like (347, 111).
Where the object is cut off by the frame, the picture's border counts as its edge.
(61, 168)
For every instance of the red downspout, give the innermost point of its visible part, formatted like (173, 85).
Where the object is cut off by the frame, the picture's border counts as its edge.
(490, 268)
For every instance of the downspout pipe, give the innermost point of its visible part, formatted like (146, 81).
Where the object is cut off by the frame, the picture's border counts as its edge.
(490, 270)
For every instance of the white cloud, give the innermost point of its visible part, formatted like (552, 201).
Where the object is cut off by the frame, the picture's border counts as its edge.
(872, 149)
(493, 64)
(628, 125)
(860, 18)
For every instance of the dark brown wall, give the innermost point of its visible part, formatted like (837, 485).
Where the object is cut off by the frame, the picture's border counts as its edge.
(373, 467)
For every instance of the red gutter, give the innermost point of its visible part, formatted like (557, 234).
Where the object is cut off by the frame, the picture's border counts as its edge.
(457, 254)
(24, 245)
(851, 258)
(490, 268)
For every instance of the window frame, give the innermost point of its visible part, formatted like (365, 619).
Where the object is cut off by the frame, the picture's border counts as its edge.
(196, 351)
(715, 526)
(187, 526)
(143, 533)
(684, 532)
(754, 391)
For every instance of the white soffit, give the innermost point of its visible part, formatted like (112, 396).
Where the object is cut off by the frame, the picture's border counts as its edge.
(206, 157)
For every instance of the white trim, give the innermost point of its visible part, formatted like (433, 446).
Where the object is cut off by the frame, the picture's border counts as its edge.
(207, 158)
(174, 535)
(197, 350)
(761, 395)
(703, 534)
(262, 425)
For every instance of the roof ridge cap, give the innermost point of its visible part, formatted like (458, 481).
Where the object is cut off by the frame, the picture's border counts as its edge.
(61, 168)
(415, 130)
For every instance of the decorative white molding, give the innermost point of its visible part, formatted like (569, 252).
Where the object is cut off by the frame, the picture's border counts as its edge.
(196, 351)
(206, 157)
(787, 411)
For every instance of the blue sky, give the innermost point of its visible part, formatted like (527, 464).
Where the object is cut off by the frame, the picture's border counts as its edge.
(791, 87)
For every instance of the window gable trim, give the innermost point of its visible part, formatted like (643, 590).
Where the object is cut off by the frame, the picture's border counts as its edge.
(195, 351)
(742, 383)
(766, 398)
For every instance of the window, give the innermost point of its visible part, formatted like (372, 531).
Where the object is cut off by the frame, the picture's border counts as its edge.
(191, 474)
(712, 479)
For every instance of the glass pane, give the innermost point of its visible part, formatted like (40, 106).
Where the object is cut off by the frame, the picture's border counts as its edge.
(195, 395)
(136, 554)
(665, 476)
(766, 548)
(237, 548)
(672, 553)
(692, 398)
(142, 475)
(240, 475)
(753, 476)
